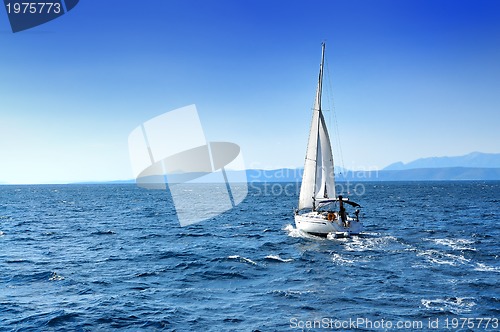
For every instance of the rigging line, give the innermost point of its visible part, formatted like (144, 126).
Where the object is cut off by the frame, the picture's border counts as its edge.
(333, 114)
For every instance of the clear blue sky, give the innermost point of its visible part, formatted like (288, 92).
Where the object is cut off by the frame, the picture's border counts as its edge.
(411, 79)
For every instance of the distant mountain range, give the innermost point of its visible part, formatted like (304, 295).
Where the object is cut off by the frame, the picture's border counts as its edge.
(474, 159)
(424, 174)
(416, 174)
(473, 166)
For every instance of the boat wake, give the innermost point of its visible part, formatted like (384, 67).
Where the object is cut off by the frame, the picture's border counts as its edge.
(340, 260)
(372, 242)
(455, 244)
(442, 258)
(294, 232)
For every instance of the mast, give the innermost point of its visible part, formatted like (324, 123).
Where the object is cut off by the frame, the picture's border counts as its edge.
(317, 108)
(317, 104)
(317, 179)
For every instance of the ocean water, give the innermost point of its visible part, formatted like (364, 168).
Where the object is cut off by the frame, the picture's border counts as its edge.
(113, 257)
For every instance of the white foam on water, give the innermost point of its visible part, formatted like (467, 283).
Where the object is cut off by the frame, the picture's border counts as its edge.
(486, 268)
(294, 232)
(290, 292)
(289, 228)
(242, 259)
(278, 258)
(455, 305)
(455, 244)
(56, 277)
(369, 243)
(442, 258)
(340, 260)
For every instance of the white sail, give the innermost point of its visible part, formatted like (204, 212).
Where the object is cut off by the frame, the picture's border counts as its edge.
(325, 180)
(318, 179)
(307, 189)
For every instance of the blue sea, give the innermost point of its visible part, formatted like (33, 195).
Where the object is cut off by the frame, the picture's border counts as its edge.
(113, 257)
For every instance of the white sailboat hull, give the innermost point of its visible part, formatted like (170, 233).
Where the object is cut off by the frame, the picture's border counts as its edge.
(318, 224)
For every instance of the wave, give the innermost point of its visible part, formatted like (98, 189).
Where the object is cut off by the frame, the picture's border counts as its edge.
(455, 244)
(486, 268)
(36, 277)
(55, 277)
(340, 260)
(107, 232)
(278, 258)
(49, 319)
(294, 232)
(442, 258)
(359, 243)
(291, 293)
(146, 274)
(61, 316)
(18, 260)
(455, 305)
(242, 259)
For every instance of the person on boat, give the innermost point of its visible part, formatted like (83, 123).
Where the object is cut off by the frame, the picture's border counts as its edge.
(342, 211)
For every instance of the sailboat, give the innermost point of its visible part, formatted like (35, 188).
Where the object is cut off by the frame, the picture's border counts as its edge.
(320, 212)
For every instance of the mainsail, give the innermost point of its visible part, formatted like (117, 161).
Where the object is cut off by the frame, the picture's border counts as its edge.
(318, 179)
